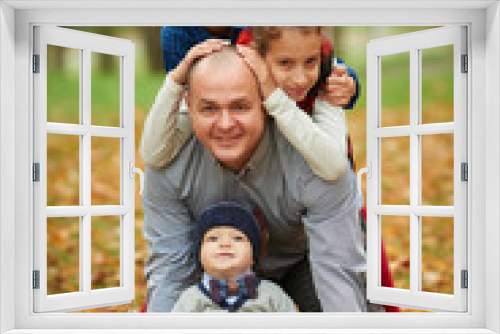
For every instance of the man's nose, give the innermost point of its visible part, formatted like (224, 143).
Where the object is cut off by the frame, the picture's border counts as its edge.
(226, 120)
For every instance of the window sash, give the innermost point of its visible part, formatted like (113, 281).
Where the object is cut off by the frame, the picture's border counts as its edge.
(413, 43)
(86, 43)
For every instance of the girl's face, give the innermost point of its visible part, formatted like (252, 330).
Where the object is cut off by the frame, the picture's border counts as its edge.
(294, 60)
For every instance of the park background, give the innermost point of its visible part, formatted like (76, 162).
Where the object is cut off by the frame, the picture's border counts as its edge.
(350, 45)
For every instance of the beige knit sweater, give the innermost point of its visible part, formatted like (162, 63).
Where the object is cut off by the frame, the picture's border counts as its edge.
(270, 298)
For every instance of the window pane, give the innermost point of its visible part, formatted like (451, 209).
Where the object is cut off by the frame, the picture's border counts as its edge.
(63, 170)
(63, 249)
(63, 85)
(105, 90)
(105, 189)
(105, 252)
(395, 90)
(396, 240)
(437, 254)
(395, 171)
(437, 84)
(437, 169)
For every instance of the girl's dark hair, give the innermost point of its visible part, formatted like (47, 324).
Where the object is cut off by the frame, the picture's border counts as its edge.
(264, 35)
(325, 69)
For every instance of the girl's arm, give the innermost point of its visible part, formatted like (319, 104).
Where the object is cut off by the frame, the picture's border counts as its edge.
(321, 140)
(167, 127)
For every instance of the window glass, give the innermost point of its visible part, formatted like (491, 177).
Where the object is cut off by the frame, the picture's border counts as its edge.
(63, 169)
(437, 84)
(395, 89)
(395, 171)
(396, 240)
(105, 252)
(105, 90)
(63, 85)
(437, 254)
(105, 184)
(63, 255)
(437, 169)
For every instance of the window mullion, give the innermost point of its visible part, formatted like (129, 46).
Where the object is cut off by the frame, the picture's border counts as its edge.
(80, 130)
(85, 96)
(85, 166)
(127, 102)
(415, 176)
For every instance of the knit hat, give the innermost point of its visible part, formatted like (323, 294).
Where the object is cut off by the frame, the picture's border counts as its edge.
(228, 214)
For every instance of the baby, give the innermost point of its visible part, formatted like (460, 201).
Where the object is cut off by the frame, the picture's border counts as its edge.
(227, 245)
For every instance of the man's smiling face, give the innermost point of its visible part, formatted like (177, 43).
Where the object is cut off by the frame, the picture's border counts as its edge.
(226, 108)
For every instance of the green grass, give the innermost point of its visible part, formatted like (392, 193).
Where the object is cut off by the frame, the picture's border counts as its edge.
(63, 96)
(64, 90)
(435, 89)
(437, 77)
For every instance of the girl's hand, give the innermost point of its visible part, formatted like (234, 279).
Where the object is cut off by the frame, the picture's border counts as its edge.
(259, 68)
(339, 88)
(179, 74)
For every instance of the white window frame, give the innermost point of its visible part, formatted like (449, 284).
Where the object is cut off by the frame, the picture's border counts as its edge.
(16, 217)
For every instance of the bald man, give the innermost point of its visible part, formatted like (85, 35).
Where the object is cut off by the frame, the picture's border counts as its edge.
(315, 249)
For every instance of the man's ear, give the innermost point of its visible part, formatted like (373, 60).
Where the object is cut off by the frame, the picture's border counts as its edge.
(186, 98)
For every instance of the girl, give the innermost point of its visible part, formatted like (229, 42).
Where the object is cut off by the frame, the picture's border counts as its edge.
(287, 66)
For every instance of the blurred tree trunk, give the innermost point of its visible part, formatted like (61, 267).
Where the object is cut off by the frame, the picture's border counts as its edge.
(56, 56)
(153, 48)
(338, 36)
(107, 63)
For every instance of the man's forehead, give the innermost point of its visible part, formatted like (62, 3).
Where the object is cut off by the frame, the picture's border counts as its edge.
(226, 62)
(233, 78)
(224, 55)
(234, 99)
(230, 100)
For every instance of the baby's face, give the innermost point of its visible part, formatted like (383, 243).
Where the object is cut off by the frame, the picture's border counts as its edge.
(226, 253)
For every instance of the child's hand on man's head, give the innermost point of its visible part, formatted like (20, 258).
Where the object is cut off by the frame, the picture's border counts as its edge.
(339, 88)
(260, 68)
(179, 74)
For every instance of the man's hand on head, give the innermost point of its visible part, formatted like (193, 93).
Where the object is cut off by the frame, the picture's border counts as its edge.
(179, 74)
(339, 88)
